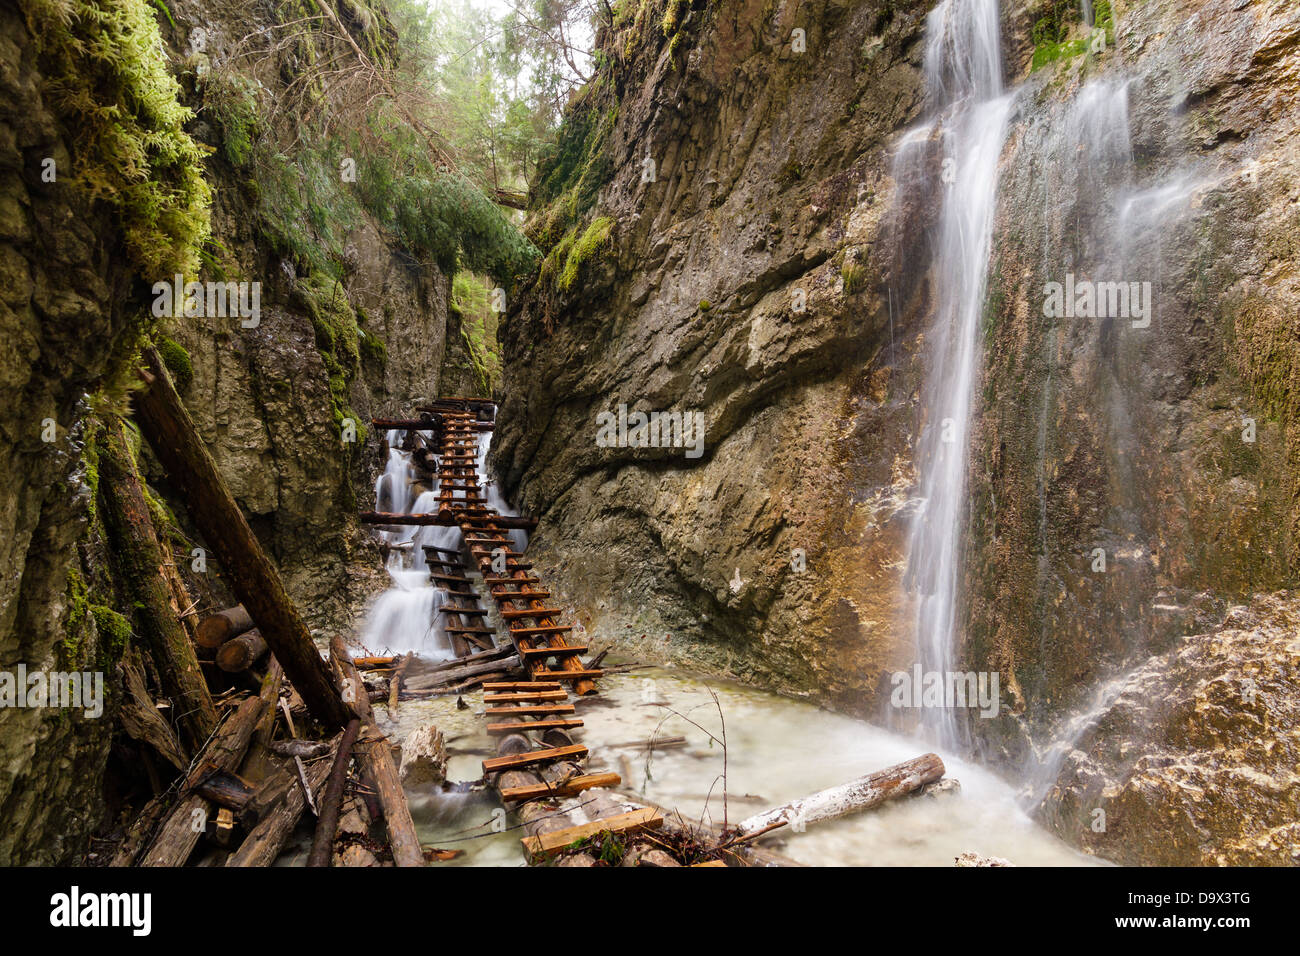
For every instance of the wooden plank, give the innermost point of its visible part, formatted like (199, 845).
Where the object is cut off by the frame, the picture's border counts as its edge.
(471, 611)
(538, 711)
(529, 653)
(470, 630)
(457, 578)
(538, 631)
(533, 757)
(549, 844)
(520, 595)
(525, 698)
(491, 579)
(528, 726)
(521, 685)
(570, 787)
(532, 612)
(572, 675)
(430, 547)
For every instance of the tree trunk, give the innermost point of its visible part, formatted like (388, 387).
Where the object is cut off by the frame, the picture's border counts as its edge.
(239, 653)
(215, 629)
(861, 794)
(327, 824)
(377, 762)
(170, 430)
(126, 515)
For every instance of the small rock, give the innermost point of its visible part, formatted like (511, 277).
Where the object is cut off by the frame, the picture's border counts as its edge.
(424, 758)
(947, 787)
(975, 859)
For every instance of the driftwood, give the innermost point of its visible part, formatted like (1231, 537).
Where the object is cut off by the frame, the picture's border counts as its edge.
(456, 674)
(240, 653)
(130, 525)
(175, 440)
(377, 763)
(327, 823)
(181, 830)
(215, 629)
(861, 794)
(264, 842)
(140, 718)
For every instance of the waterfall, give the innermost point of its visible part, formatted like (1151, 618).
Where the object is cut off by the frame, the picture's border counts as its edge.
(404, 619)
(963, 67)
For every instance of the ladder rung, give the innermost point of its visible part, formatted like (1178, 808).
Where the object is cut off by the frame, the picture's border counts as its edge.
(544, 652)
(569, 788)
(513, 761)
(571, 675)
(533, 698)
(470, 611)
(511, 615)
(520, 685)
(539, 710)
(520, 595)
(535, 631)
(527, 726)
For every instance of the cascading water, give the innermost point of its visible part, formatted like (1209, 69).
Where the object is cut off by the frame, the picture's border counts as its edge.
(404, 619)
(963, 67)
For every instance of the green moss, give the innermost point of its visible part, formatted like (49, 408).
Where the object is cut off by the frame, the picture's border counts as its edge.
(593, 243)
(1052, 33)
(177, 361)
(705, 305)
(854, 275)
(471, 302)
(106, 74)
(75, 624)
(114, 632)
(338, 339)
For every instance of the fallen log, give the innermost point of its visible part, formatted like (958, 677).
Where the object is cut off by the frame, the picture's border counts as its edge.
(140, 718)
(136, 547)
(861, 794)
(454, 675)
(187, 821)
(240, 653)
(377, 762)
(215, 629)
(169, 429)
(264, 841)
(327, 823)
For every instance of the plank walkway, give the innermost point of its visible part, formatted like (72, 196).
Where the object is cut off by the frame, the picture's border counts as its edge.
(517, 711)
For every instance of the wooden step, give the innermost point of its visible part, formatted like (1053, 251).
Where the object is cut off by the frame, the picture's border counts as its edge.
(569, 788)
(527, 726)
(525, 698)
(533, 758)
(494, 579)
(520, 685)
(570, 675)
(487, 553)
(470, 630)
(532, 612)
(458, 578)
(519, 595)
(539, 710)
(468, 611)
(430, 547)
(550, 844)
(534, 653)
(538, 631)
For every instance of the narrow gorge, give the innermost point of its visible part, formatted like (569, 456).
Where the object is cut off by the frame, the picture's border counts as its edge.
(887, 410)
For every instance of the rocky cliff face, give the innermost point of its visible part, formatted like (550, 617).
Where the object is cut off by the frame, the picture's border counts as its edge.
(64, 311)
(75, 286)
(1166, 155)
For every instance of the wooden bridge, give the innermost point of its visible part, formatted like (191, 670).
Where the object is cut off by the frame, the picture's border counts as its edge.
(538, 770)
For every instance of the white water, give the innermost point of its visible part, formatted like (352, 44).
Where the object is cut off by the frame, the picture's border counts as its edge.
(404, 619)
(963, 68)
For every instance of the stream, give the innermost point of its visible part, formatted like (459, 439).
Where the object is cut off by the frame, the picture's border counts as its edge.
(777, 749)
